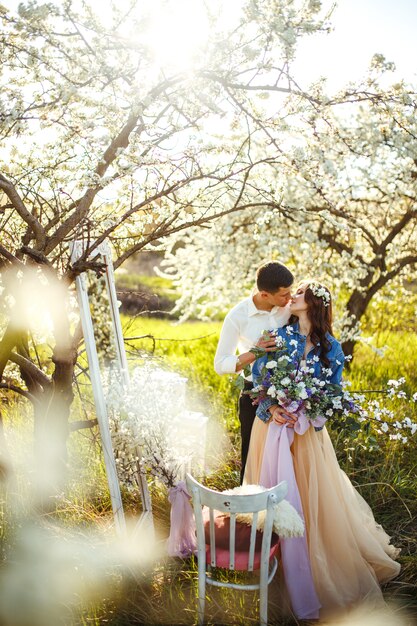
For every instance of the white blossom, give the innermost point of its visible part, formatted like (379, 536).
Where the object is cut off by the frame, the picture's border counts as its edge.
(271, 364)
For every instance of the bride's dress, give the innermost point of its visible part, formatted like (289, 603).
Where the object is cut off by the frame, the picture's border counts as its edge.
(349, 552)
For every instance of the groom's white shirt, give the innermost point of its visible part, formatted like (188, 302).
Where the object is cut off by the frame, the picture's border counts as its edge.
(241, 329)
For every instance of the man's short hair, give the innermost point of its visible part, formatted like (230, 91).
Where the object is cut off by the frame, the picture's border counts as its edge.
(272, 276)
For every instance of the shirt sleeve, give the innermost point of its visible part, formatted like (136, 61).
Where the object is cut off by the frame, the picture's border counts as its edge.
(262, 409)
(225, 358)
(263, 406)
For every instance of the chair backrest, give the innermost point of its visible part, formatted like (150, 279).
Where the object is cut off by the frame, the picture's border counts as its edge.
(233, 505)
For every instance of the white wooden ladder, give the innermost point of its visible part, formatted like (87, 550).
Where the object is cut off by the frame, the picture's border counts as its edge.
(103, 255)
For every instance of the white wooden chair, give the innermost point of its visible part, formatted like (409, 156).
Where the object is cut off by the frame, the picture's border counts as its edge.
(248, 558)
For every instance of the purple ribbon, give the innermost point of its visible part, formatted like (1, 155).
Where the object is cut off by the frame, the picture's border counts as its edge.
(277, 465)
(182, 538)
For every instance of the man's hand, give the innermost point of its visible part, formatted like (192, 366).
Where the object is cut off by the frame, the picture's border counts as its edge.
(282, 416)
(267, 342)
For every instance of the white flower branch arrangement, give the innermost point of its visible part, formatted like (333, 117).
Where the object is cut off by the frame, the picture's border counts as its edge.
(152, 430)
(154, 433)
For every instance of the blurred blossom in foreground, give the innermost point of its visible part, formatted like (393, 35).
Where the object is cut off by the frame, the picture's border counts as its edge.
(373, 617)
(50, 572)
(52, 568)
(34, 300)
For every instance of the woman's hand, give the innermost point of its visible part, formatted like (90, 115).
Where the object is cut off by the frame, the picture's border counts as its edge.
(282, 416)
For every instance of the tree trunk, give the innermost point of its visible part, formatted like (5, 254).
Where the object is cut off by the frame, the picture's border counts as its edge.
(53, 411)
(356, 307)
(51, 416)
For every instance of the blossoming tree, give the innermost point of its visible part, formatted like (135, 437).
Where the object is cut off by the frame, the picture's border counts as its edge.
(98, 142)
(347, 209)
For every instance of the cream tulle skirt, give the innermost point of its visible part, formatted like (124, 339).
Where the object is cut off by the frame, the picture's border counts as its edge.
(349, 552)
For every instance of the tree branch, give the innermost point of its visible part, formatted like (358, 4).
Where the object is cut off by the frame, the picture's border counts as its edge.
(157, 234)
(11, 192)
(10, 257)
(79, 425)
(31, 369)
(22, 392)
(121, 141)
(383, 279)
(406, 218)
(35, 255)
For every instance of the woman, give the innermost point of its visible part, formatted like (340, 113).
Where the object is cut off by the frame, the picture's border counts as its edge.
(347, 551)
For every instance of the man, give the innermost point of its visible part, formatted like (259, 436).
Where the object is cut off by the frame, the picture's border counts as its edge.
(266, 309)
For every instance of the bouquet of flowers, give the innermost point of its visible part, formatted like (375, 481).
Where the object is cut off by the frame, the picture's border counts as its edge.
(296, 388)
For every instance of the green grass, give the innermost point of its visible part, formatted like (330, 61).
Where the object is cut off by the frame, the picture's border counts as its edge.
(152, 284)
(386, 477)
(400, 350)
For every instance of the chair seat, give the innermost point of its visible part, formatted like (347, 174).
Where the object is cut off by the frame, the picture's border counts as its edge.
(241, 557)
(242, 542)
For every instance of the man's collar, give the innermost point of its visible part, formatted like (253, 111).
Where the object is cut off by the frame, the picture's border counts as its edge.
(253, 310)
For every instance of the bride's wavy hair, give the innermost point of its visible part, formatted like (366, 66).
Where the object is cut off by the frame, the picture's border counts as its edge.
(320, 315)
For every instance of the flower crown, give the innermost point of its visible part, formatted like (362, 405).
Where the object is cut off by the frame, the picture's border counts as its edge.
(320, 292)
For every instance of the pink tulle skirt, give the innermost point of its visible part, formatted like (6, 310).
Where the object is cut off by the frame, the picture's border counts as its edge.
(349, 552)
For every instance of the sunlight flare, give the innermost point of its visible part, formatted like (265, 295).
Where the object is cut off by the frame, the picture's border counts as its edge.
(176, 33)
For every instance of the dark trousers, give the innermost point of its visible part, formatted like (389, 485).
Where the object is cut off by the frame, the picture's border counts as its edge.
(247, 413)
